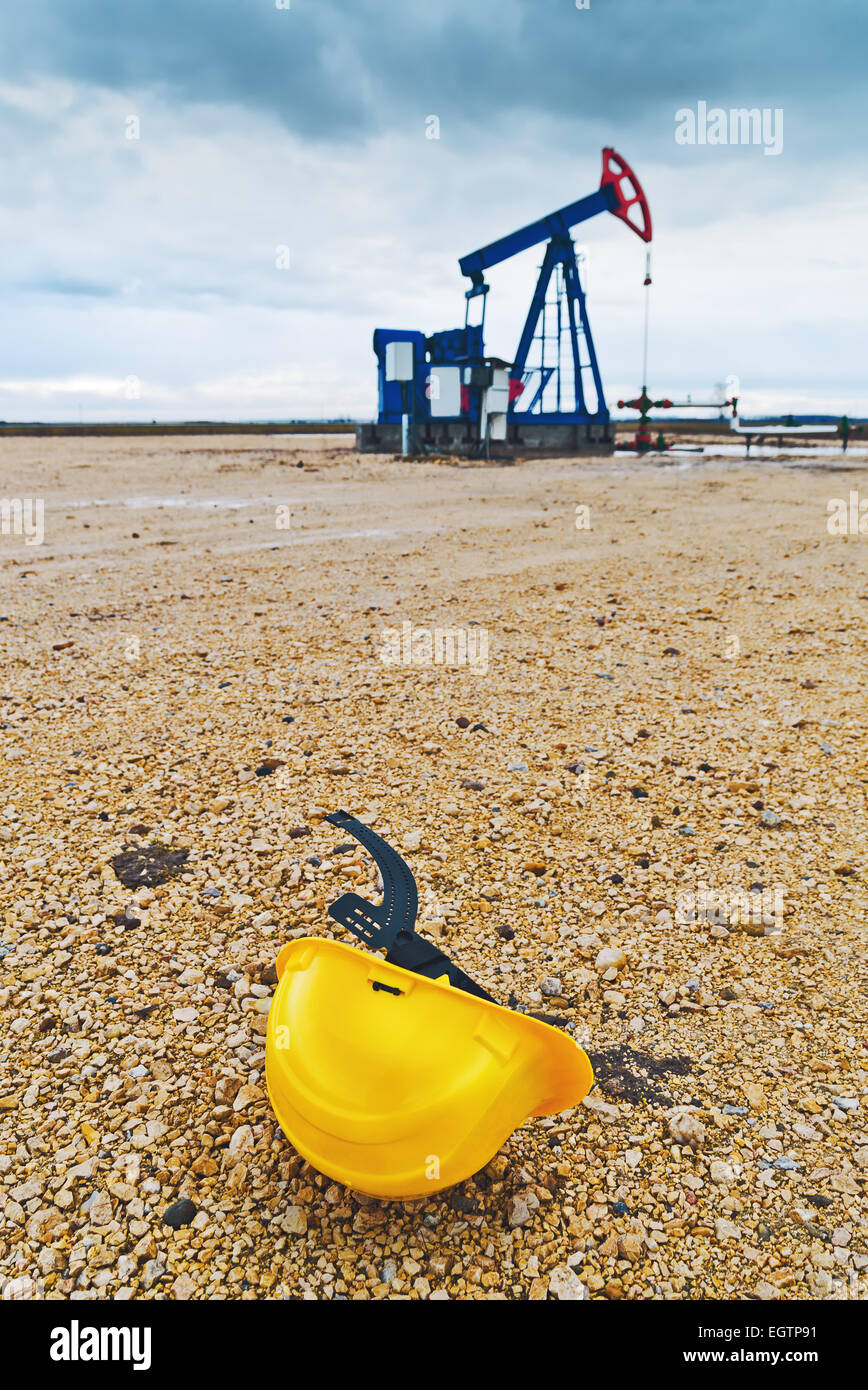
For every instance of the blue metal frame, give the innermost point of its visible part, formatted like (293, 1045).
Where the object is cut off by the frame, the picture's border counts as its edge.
(560, 251)
(556, 224)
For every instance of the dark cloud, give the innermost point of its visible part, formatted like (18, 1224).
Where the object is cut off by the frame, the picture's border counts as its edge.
(345, 68)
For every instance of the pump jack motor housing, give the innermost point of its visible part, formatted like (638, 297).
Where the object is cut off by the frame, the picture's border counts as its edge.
(401, 1076)
(456, 395)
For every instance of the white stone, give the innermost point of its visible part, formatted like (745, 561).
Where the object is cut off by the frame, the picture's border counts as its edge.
(518, 1211)
(294, 1221)
(685, 1129)
(566, 1286)
(611, 957)
(242, 1139)
(726, 1230)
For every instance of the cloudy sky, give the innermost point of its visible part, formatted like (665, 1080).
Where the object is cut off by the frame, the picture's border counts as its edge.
(157, 157)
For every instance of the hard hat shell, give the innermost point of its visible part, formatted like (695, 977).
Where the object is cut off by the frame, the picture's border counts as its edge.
(398, 1085)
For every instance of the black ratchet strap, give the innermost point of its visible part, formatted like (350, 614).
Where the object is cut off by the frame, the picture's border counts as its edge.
(391, 925)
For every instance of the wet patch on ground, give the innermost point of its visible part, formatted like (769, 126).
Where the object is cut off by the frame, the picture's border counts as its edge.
(635, 1077)
(145, 866)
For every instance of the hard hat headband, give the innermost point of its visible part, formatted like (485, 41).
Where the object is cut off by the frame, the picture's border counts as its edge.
(391, 924)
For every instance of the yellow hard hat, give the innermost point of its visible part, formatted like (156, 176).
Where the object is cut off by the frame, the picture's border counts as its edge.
(401, 1076)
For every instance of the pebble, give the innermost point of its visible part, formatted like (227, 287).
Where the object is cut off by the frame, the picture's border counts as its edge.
(242, 1139)
(767, 1292)
(247, 1096)
(755, 1095)
(566, 1286)
(180, 1213)
(687, 1130)
(518, 1211)
(99, 1209)
(294, 1221)
(152, 1271)
(630, 1247)
(612, 958)
(726, 1230)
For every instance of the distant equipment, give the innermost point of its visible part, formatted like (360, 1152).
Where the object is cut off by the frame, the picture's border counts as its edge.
(445, 393)
(786, 427)
(643, 441)
(789, 427)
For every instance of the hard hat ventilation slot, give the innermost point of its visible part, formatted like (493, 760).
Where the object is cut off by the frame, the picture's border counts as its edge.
(389, 989)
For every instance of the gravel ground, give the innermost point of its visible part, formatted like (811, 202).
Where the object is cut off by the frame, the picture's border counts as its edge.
(644, 815)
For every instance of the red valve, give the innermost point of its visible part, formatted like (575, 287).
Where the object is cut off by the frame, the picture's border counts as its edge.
(617, 172)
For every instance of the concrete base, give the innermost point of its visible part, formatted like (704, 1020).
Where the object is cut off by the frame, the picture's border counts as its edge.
(460, 437)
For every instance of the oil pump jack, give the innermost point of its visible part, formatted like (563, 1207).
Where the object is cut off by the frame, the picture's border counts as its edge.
(445, 393)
